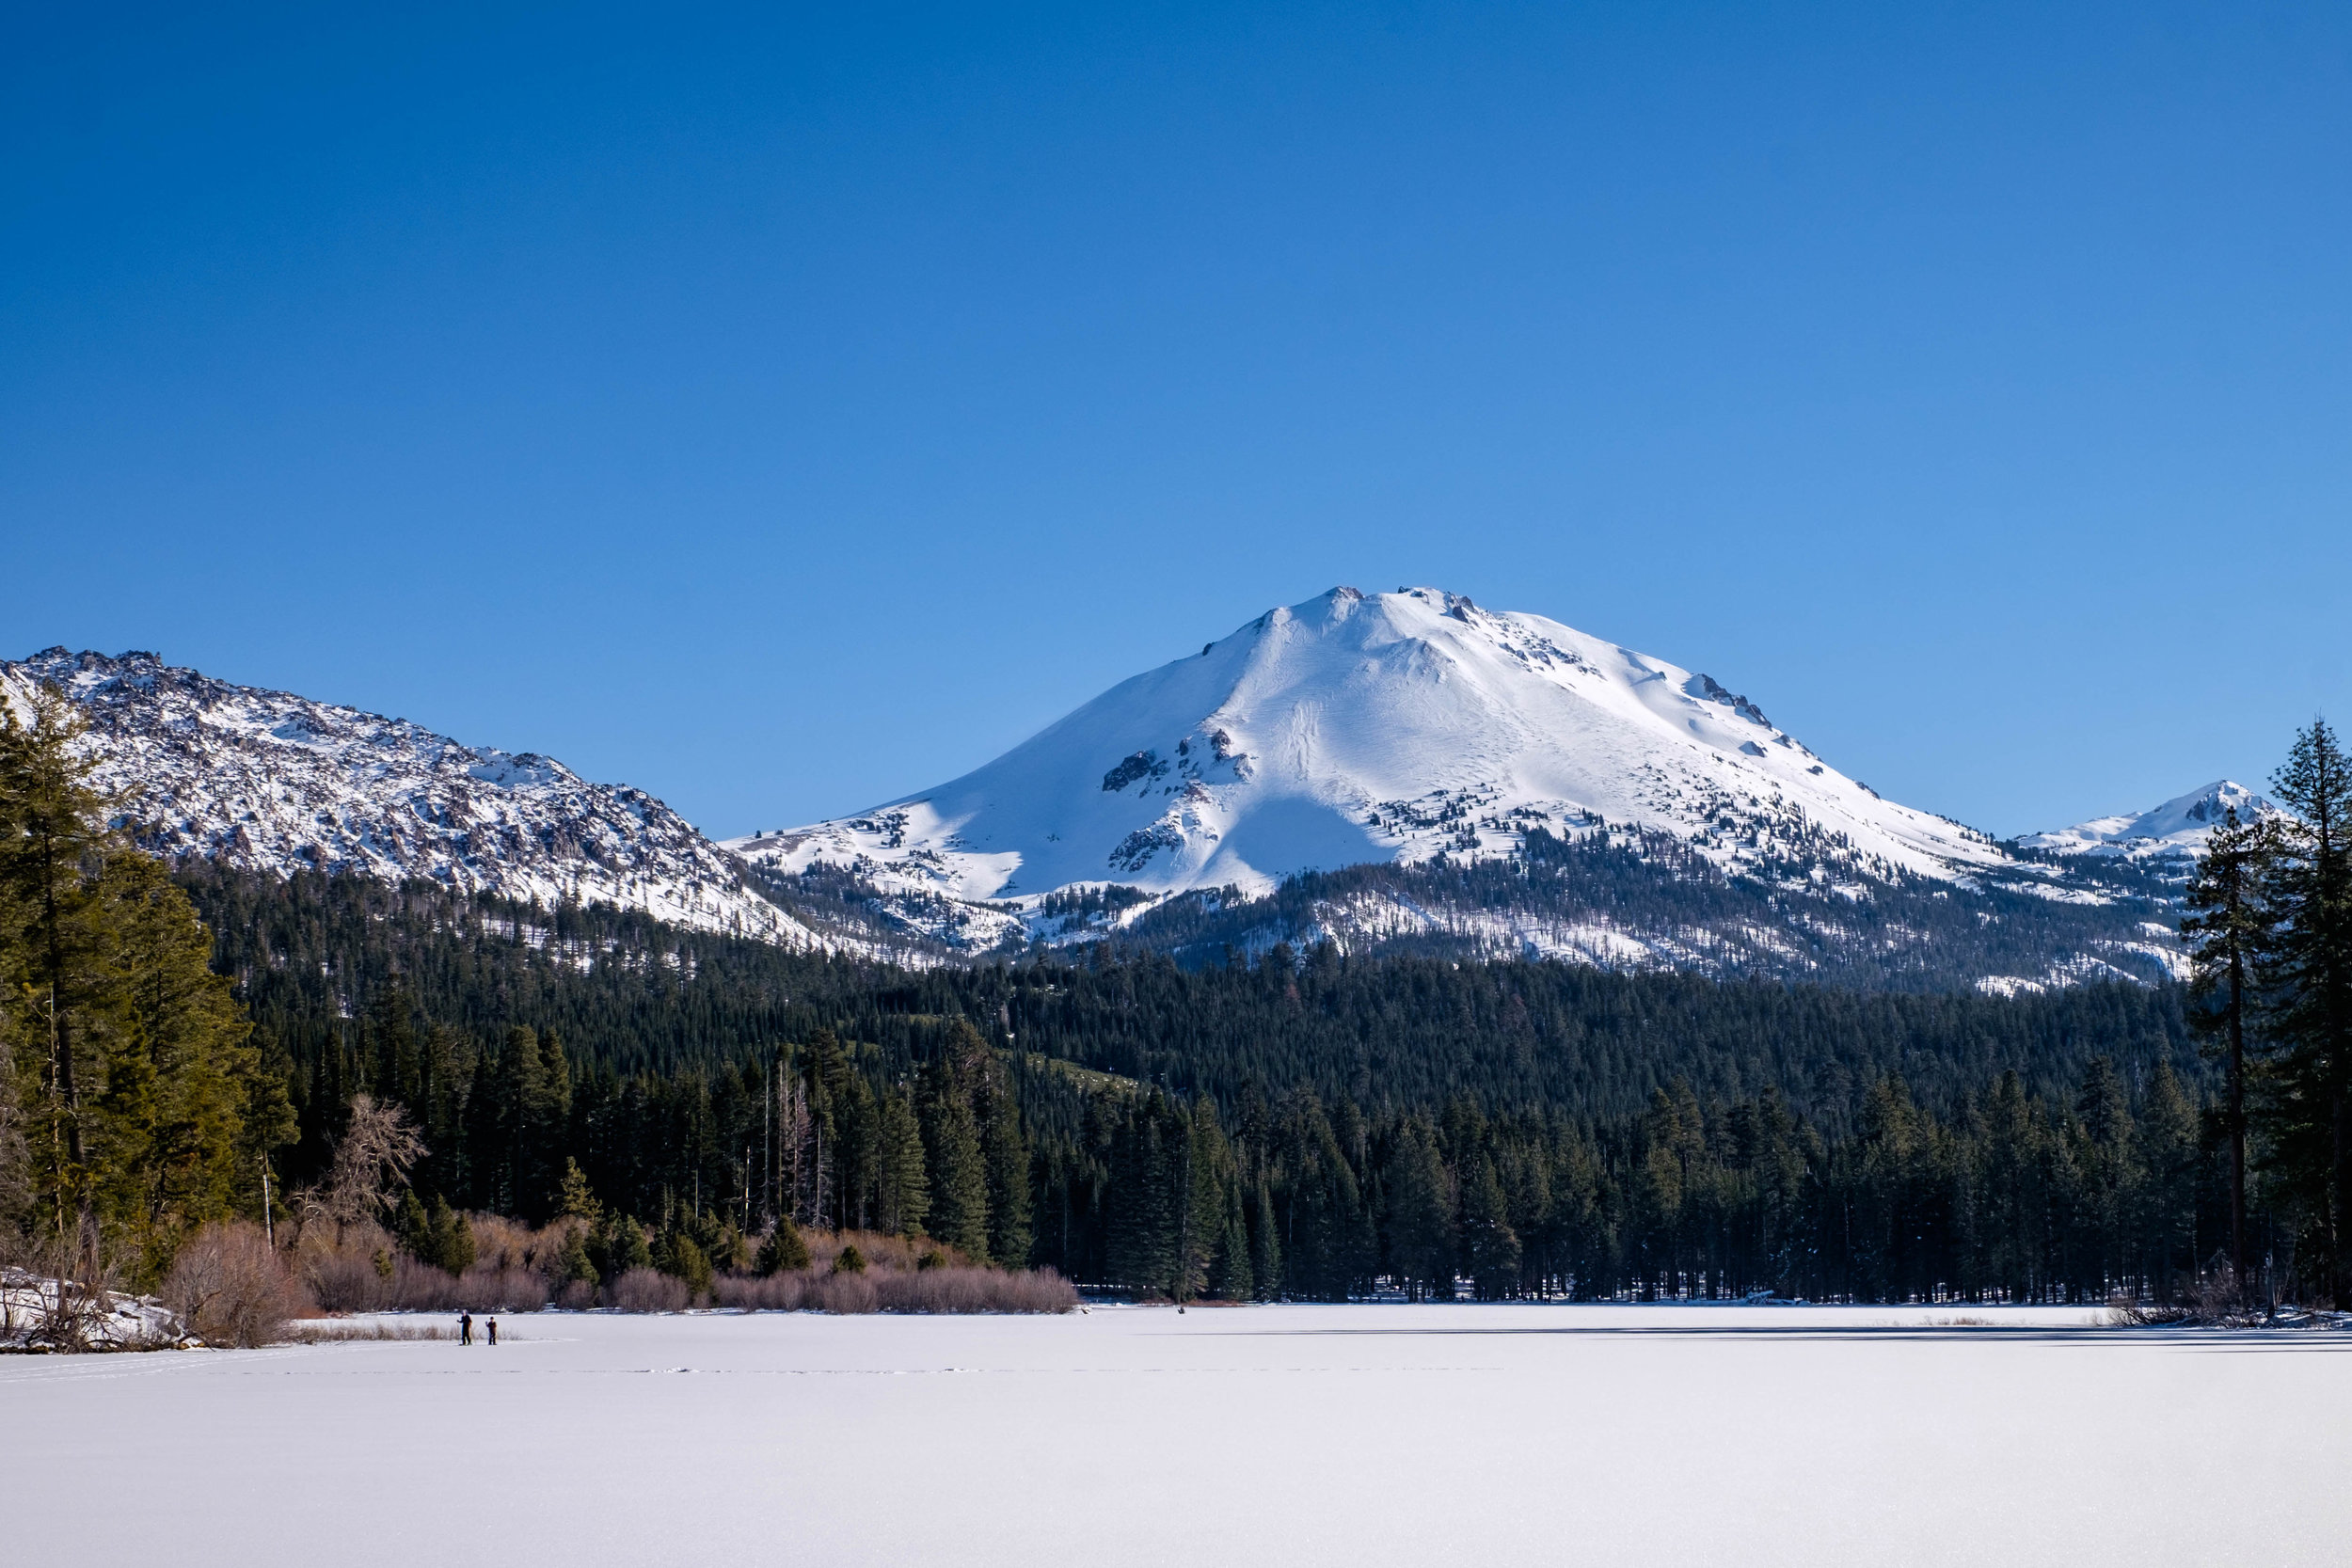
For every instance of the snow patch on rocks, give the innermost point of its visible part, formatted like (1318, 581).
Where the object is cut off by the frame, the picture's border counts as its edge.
(39, 1313)
(266, 781)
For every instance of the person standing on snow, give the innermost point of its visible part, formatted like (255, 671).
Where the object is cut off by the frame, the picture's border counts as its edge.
(465, 1328)
(494, 1331)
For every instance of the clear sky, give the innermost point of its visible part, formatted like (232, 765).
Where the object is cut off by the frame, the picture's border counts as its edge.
(787, 409)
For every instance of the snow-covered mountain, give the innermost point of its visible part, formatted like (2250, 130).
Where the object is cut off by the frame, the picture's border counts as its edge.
(1395, 772)
(1412, 730)
(270, 782)
(1390, 727)
(2173, 833)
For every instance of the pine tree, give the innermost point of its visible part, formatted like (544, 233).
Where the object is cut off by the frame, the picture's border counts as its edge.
(412, 1227)
(1330, 1247)
(2170, 1158)
(59, 982)
(1420, 1199)
(678, 1255)
(1230, 1276)
(1265, 1242)
(1490, 1246)
(782, 1249)
(904, 1201)
(2106, 1168)
(572, 1264)
(449, 1239)
(2229, 930)
(1205, 1180)
(624, 1246)
(1006, 1149)
(952, 1154)
(531, 1103)
(1141, 1200)
(150, 1117)
(573, 1197)
(2308, 976)
(178, 1063)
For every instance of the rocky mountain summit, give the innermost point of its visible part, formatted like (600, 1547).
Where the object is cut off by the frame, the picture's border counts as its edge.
(266, 781)
(2169, 838)
(1411, 771)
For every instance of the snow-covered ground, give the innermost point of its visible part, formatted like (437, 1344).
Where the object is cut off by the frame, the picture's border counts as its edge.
(1289, 1434)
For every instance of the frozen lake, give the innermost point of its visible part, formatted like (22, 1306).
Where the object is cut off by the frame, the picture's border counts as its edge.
(1290, 1434)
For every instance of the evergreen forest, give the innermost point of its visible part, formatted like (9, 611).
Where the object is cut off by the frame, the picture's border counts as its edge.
(1302, 1124)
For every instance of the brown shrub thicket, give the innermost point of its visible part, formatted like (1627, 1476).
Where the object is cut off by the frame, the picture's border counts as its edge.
(647, 1291)
(951, 1288)
(359, 1266)
(328, 1331)
(230, 1287)
(878, 1250)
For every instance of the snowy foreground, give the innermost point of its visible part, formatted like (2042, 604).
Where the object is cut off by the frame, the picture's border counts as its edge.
(1292, 1435)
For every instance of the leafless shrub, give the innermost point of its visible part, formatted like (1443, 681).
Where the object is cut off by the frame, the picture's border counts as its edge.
(647, 1291)
(2124, 1312)
(69, 1277)
(945, 1289)
(2214, 1300)
(500, 1242)
(845, 1293)
(329, 1332)
(970, 1290)
(364, 1269)
(64, 1298)
(352, 1268)
(230, 1287)
(502, 1290)
(358, 1267)
(880, 1251)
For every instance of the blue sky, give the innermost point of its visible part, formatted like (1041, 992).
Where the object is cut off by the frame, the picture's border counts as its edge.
(783, 410)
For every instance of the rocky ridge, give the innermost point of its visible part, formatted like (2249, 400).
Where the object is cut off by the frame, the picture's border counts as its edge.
(266, 781)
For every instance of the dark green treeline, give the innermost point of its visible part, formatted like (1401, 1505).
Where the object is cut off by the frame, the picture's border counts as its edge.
(1536, 1129)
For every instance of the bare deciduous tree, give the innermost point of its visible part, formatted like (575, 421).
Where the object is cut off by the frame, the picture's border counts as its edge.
(371, 1162)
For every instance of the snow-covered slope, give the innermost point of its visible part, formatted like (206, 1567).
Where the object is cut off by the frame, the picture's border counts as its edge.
(2174, 832)
(1392, 727)
(271, 782)
(1478, 784)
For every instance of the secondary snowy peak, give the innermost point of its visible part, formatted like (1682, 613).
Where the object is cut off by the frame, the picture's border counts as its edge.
(271, 782)
(2175, 831)
(1390, 727)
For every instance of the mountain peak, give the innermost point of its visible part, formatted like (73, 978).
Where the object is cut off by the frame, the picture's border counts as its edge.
(266, 781)
(2174, 831)
(1357, 728)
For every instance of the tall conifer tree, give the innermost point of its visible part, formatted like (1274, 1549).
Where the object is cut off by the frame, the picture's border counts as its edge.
(2309, 975)
(957, 1167)
(2228, 928)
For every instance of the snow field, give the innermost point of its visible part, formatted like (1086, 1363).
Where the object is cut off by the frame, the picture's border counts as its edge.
(1292, 1435)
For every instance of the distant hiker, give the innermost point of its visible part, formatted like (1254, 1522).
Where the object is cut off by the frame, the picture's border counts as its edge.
(465, 1328)
(494, 1331)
